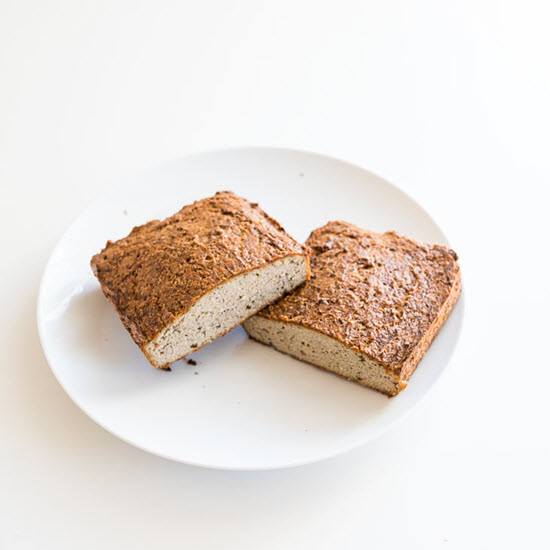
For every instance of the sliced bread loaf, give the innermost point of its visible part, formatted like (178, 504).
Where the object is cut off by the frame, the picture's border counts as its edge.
(179, 283)
(371, 308)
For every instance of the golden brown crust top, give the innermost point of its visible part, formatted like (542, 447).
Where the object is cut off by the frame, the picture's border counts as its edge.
(375, 292)
(161, 268)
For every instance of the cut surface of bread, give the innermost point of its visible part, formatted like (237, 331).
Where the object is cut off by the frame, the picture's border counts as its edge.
(320, 350)
(179, 283)
(369, 312)
(225, 307)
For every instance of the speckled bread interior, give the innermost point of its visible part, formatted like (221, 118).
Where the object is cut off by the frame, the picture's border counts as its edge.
(225, 307)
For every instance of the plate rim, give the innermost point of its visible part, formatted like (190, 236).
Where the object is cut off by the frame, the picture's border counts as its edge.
(457, 310)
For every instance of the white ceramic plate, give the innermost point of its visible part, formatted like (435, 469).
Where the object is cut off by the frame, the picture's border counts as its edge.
(244, 406)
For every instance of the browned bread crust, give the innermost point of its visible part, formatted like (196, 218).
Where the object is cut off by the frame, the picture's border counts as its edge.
(162, 268)
(381, 294)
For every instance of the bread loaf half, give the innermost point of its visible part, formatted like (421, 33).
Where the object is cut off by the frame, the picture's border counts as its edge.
(179, 283)
(371, 308)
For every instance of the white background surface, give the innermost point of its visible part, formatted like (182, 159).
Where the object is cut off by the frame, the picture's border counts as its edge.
(449, 100)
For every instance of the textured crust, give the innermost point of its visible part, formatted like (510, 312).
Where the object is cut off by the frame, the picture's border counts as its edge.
(381, 294)
(156, 273)
(410, 364)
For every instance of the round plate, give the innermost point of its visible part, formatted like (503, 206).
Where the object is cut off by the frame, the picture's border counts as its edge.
(243, 406)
